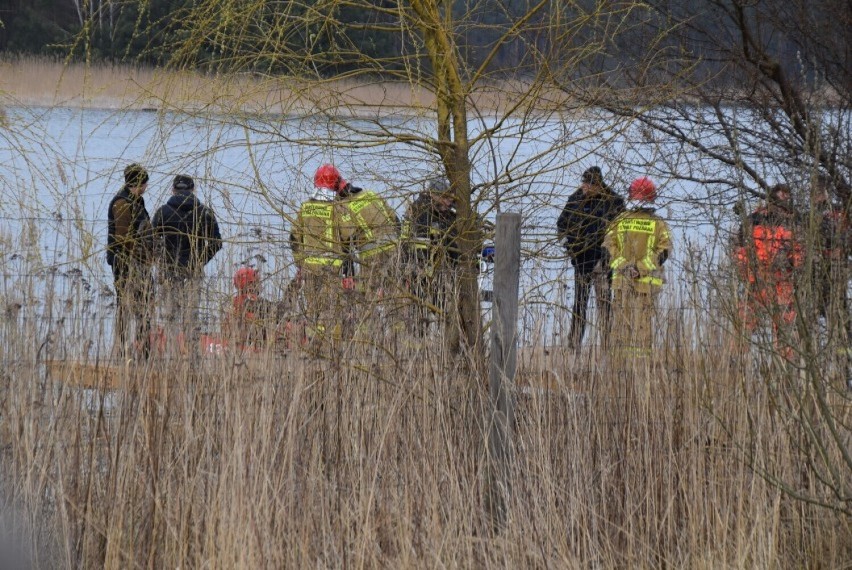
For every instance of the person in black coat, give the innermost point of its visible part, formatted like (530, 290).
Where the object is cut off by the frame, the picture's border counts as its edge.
(187, 232)
(581, 227)
(187, 237)
(129, 252)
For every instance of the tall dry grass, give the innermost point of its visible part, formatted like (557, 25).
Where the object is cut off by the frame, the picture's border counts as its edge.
(371, 454)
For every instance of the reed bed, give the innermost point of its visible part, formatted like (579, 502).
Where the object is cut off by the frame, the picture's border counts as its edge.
(371, 453)
(38, 81)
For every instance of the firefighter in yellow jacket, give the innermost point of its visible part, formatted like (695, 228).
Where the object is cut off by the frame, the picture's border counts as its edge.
(320, 255)
(369, 229)
(638, 242)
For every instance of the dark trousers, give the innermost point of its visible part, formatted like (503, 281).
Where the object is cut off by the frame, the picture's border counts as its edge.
(133, 290)
(434, 292)
(181, 300)
(600, 278)
(831, 281)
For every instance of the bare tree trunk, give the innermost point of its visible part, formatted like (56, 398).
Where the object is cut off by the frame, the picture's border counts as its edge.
(454, 148)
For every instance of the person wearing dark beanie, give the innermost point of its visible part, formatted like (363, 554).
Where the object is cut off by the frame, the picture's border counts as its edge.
(135, 175)
(129, 254)
(581, 227)
(187, 237)
(183, 182)
(593, 176)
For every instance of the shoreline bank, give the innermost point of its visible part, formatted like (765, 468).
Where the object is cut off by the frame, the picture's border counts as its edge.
(34, 82)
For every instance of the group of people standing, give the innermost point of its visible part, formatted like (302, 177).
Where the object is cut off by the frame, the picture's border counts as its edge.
(617, 249)
(784, 261)
(619, 252)
(181, 238)
(407, 265)
(791, 262)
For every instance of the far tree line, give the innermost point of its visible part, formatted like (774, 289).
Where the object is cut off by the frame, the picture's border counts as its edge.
(326, 33)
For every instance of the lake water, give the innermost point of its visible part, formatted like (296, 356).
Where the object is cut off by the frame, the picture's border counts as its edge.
(59, 168)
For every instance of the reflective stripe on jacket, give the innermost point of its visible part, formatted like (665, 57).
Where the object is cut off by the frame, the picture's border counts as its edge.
(367, 223)
(641, 239)
(315, 237)
(430, 233)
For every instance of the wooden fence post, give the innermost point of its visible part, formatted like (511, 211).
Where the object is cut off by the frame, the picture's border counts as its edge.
(507, 268)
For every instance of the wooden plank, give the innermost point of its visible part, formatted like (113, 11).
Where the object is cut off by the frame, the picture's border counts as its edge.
(83, 374)
(99, 376)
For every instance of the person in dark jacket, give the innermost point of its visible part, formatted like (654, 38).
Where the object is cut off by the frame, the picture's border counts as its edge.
(582, 226)
(187, 237)
(129, 254)
(187, 231)
(835, 245)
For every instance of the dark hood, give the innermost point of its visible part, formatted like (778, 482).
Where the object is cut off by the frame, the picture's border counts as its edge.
(183, 200)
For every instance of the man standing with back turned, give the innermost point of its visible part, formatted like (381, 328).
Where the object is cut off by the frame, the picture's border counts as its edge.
(582, 226)
(187, 237)
(639, 243)
(320, 256)
(129, 245)
(429, 234)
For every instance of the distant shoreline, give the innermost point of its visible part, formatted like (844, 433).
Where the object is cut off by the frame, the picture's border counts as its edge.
(39, 82)
(45, 83)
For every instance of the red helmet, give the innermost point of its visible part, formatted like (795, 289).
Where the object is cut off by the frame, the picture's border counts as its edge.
(643, 189)
(327, 176)
(245, 277)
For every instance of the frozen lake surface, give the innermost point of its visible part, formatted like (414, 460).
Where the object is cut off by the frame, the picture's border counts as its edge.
(59, 168)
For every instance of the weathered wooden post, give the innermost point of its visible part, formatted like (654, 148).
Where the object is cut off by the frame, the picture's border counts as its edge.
(507, 264)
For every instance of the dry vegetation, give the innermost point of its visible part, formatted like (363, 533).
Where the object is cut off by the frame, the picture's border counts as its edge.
(32, 81)
(44, 82)
(372, 455)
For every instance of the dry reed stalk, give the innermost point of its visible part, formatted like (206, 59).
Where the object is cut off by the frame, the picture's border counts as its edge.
(371, 453)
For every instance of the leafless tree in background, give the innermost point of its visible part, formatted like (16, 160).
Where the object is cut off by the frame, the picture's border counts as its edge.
(765, 97)
(308, 53)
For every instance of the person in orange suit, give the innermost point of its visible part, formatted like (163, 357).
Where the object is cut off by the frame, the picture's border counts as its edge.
(246, 323)
(768, 256)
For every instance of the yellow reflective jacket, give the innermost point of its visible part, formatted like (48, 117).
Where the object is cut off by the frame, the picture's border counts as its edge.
(367, 224)
(315, 237)
(638, 239)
